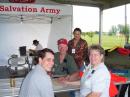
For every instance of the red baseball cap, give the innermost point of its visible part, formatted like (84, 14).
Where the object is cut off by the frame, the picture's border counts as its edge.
(62, 41)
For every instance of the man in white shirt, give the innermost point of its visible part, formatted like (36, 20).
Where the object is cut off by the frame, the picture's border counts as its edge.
(36, 47)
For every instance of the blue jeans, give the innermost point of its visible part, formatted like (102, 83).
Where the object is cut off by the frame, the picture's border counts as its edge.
(72, 93)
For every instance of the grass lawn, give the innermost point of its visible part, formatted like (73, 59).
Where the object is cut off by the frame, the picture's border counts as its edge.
(107, 41)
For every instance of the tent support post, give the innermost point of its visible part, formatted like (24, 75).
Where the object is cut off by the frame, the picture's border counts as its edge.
(100, 24)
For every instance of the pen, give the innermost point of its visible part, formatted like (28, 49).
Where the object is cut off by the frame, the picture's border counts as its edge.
(84, 66)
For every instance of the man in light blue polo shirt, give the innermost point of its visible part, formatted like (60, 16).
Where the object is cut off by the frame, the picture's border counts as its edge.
(38, 83)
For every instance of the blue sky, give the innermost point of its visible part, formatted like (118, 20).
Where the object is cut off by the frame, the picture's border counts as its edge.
(87, 18)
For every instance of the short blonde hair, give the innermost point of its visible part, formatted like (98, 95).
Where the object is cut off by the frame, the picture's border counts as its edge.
(97, 47)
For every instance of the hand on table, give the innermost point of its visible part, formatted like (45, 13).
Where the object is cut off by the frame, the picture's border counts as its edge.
(66, 80)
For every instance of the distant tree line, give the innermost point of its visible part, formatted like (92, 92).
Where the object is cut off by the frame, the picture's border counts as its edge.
(121, 29)
(90, 34)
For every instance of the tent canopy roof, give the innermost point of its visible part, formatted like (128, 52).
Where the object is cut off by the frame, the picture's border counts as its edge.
(105, 4)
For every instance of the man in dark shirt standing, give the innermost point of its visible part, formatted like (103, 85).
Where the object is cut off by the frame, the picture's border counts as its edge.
(78, 48)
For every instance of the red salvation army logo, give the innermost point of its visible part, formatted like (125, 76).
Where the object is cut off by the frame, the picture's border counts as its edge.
(22, 1)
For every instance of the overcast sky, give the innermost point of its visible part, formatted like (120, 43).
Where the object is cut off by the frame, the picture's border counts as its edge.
(87, 18)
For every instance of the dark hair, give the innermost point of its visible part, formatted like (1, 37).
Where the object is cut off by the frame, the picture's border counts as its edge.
(35, 41)
(98, 48)
(42, 54)
(77, 29)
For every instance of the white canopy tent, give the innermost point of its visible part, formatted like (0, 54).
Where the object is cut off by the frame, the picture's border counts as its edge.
(20, 24)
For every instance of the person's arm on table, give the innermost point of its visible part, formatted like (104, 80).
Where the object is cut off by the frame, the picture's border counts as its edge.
(94, 94)
(73, 77)
(72, 82)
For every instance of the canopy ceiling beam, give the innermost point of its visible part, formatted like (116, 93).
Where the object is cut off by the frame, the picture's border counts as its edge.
(93, 3)
(105, 4)
(115, 3)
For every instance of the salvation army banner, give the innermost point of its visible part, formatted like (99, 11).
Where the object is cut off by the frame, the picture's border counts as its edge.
(14, 8)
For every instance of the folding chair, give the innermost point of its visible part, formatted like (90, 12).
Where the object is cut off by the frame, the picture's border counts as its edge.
(17, 64)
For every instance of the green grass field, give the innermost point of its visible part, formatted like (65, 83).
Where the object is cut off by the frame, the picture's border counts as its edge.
(107, 41)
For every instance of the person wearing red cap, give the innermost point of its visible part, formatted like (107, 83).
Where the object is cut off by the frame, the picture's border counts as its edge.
(78, 48)
(62, 41)
(64, 64)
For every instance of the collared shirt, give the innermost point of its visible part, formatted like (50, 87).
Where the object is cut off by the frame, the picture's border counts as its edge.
(37, 84)
(79, 52)
(68, 66)
(38, 47)
(97, 81)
